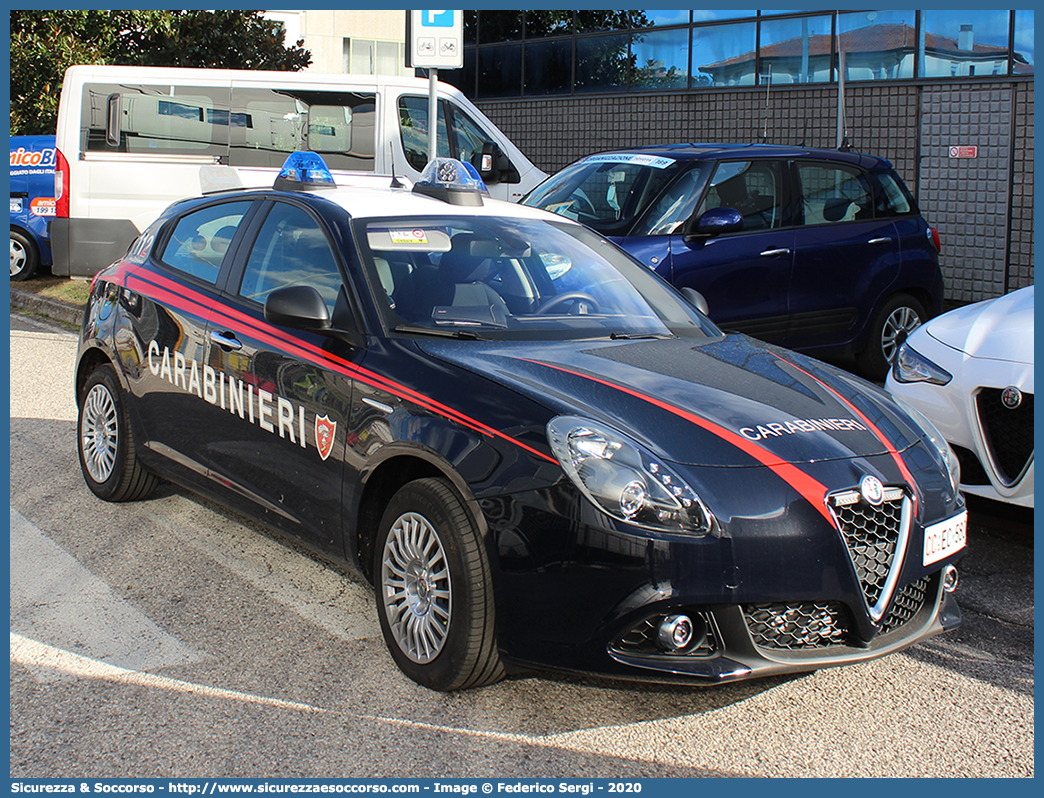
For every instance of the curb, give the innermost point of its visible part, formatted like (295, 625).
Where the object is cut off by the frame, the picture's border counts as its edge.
(50, 308)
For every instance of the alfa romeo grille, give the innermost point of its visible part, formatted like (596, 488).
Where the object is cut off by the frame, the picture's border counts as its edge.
(907, 604)
(797, 626)
(1009, 433)
(872, 536)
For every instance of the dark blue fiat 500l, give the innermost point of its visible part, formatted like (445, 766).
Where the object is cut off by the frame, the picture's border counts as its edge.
(538, 451)
(820, 251)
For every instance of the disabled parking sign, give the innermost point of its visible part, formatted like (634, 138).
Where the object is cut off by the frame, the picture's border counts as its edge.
(434, 39)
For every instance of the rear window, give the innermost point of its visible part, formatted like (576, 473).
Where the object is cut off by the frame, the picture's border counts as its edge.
(895, 199)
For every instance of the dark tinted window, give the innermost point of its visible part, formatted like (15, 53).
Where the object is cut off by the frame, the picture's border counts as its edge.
(291, 249)
(754, 188)
(201, 238)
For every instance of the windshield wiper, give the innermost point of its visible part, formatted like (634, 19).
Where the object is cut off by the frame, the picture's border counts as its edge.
(619, 336)
(468, 335)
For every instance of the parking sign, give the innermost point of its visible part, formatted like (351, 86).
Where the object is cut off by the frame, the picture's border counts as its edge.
(434, 39)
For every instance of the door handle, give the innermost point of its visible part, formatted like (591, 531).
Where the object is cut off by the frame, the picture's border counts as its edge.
(226, 341)
(882, 240)
(771, 253)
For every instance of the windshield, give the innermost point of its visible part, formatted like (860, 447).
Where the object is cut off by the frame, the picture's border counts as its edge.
(610, 192)
(515, 278)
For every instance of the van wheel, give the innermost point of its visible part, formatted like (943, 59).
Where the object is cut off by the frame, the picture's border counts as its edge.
(434, 591)
(24, 257)
(900, 316)
(108, 453)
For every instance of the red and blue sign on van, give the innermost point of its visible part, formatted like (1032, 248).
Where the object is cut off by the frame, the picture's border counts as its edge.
(32, 203)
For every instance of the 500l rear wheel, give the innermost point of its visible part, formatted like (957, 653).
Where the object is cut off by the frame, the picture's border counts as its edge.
(108, 455)
(434, 591)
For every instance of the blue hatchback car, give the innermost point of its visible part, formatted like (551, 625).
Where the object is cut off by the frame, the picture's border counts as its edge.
(819, 251)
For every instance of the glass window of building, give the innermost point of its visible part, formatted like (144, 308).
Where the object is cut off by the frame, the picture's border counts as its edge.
(960, 44)
(1022, 58)
(593, 20)
(703, 15)
(661, 59)
(548, 22)
(670, 16)
(549, 67)
(602, 63)
(797, 50)
(878, 45)
(500, 72)
(499, 26)
(724, 55)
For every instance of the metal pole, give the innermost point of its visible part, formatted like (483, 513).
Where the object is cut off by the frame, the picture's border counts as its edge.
(840, 93)
(433, 114)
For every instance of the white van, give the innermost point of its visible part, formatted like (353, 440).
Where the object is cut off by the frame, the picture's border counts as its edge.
(131, 140)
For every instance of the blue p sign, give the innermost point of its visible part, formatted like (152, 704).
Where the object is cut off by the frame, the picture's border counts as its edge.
(437, 19)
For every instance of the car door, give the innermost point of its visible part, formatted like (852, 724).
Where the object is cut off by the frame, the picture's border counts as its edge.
(844, 257)
(171, 300)
(744, 276)
(279, 452)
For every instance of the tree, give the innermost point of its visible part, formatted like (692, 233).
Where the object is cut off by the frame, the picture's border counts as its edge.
(45, 43)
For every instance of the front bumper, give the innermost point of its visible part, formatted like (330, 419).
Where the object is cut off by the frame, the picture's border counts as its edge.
(775, 590)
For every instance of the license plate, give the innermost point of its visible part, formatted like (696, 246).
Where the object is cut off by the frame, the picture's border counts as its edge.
(943, 539)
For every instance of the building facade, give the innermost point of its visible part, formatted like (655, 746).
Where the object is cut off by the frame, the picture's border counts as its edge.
(947, 96)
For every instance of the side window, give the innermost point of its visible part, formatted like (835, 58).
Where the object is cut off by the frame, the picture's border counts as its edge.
(832, 193)
(893, 199)
(413, 127)
(754, 188)
(291, 249)
(155, 120)
(266, 125)
(675, 206)
(201, 238)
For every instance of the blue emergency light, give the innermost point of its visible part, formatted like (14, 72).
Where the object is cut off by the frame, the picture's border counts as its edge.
(304, 170)
(452, 181)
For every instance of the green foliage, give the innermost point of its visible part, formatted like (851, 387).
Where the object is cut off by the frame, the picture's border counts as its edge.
(45, 43)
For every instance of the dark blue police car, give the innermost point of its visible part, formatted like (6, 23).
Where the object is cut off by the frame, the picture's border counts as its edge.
(820, 251)
(539, 452)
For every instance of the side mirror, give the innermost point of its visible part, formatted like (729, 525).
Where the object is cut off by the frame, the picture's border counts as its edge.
(697, 299)
(715, 222)
(489, 163)
(299, 307)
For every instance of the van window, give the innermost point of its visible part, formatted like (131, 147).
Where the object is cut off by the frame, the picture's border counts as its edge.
(832, 193)
(159, 120)
(199, 242)
(337, 125)
(413, 126)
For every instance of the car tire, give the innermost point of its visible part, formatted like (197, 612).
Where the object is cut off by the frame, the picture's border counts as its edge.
(108, 452)
(24, 257)
(434, 591)
(896, 319)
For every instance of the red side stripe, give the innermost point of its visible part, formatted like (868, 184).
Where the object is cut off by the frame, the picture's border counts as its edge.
(808, 487)
(176, 295)
(889, 447)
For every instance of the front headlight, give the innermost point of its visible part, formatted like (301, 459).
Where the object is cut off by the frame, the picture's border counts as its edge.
(625, 481)
(953, 465)
(911, 366)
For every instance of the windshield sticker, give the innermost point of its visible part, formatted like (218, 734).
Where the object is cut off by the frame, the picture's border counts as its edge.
(408, 236)
(655, 161)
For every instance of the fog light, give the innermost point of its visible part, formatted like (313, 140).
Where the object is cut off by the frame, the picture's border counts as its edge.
(675, 632)
(949, 578)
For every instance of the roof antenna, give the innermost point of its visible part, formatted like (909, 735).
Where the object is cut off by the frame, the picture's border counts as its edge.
(842, 133)
(395, 181)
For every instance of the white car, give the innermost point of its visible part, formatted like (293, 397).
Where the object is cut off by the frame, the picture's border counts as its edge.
(970, 371)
